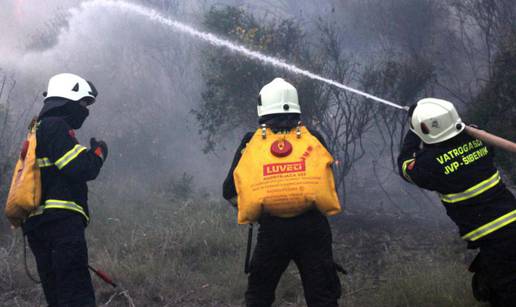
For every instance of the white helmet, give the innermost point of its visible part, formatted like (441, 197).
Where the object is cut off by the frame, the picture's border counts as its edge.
(435, 120)
(71, 87)
(278, 97)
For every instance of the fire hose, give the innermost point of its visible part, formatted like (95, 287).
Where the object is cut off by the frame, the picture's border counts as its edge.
(103, 275)
(491, 139)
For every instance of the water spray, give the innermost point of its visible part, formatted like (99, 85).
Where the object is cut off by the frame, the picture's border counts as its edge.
(214, 40)
(220, 42)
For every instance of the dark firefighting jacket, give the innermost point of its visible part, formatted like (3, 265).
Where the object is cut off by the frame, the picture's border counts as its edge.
(462, 172)
(65, 166)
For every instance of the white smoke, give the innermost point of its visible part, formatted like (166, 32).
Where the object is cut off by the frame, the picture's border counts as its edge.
(148, 79)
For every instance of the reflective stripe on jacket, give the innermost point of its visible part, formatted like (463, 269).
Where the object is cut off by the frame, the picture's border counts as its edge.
(490, 227)
(60, 204)
(462, 172)
(474, 191)
(66, 166)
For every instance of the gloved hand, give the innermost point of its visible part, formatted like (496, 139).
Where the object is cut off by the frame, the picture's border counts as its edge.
(99, 148)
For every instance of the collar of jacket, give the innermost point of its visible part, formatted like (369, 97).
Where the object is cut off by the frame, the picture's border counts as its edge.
(53, 107)
(280, 122)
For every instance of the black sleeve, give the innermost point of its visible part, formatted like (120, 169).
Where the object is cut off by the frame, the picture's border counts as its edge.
(71, 158)
(409, 168)
(228, 188)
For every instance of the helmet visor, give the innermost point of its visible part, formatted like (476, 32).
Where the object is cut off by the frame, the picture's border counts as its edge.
(93, 92)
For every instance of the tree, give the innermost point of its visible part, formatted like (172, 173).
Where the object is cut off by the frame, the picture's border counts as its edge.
(345, 117)
(407, 40)
(8, 139)
(7, 85)
(403, 82)
(233, 83)
(494, 108)
(488, 32)
(13, 127)
(484, 26)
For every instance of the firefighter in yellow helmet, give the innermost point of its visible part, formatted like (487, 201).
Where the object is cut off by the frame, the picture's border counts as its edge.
(269, 181)
(439, 156)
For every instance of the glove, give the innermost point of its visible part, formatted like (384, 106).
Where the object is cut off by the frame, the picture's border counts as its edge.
(99, 148)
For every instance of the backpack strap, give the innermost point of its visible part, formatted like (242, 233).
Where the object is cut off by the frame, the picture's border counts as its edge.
(247, 266)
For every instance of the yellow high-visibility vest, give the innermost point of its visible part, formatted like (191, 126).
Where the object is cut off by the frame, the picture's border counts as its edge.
(284, 174)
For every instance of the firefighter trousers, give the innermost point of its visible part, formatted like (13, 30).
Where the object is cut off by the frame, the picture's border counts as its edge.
(62, 261)
(305, 239)
(494, 278)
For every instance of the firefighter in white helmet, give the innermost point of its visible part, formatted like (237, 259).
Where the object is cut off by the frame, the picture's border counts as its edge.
(303, 234)
(56, 230)
(438, 155)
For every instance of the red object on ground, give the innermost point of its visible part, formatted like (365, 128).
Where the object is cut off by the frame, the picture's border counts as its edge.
(102, 275)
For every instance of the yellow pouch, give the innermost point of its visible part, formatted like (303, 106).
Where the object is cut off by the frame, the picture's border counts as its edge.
(25, 191)
(284, 175)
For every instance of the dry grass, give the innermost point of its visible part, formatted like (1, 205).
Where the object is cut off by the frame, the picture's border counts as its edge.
(191, 254)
